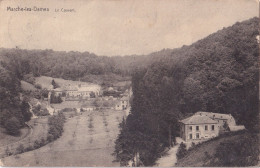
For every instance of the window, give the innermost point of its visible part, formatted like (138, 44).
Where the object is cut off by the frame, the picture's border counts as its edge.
(197, 128)
(191, 128)
(206, 128)
(197, 136)
(190, 136)
(212, 127)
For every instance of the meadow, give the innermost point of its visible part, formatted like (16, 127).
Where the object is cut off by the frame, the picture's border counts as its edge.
(88, 140)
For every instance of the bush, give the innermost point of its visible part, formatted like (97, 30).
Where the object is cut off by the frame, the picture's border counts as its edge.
(7, 151)
(43, 142)
(56, 124)
(38, 86)
(20, 149)
(182, 151)
(39, 111)
(36, 144)
(29, 148)
(12, 126)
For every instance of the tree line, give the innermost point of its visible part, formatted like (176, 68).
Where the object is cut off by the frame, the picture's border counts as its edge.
(216, 74)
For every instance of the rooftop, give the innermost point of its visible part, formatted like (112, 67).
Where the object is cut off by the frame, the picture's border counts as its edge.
(215, 115)
(198, 119)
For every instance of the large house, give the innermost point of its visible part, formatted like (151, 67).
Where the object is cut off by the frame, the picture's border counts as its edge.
(78, 91)
(206, 125)
(198, 127)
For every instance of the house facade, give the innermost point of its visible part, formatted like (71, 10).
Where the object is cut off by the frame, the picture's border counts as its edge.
(78, 91)
(123, 104)
(206, 125)
(198, 127)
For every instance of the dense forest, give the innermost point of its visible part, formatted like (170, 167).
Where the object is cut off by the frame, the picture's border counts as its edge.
(14, 109)
(216, 74)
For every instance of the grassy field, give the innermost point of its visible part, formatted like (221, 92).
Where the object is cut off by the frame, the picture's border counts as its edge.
(45, 81)
(27, 86)
(88, 140)
(39, 130)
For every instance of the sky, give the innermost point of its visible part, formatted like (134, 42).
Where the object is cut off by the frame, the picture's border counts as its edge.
(117, 27)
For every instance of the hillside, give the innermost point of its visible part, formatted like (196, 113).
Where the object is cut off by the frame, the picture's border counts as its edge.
(217, 74)
(216, 153)
(14, 110)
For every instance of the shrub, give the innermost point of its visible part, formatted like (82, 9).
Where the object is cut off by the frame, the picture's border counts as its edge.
(38, 86)
(36, 144)
(39, 111)
(29, 148)
(20, 149)
(42, 142)
(7, 151)
(12, 126)
(193, 145)
(182, 151)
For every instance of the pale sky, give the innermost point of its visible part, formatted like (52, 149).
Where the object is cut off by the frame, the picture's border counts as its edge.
(117, 27)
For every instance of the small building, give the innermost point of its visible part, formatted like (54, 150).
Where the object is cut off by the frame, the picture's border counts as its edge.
(198, 127)
(87, 108)
(224, 120)
(123, 104)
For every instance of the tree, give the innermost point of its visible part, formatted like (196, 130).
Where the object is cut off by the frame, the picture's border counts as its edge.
(182, 151)
(55, 99)
(54, 84)
(12, 126)
(92, 95)
(20, 149)
(25, 111)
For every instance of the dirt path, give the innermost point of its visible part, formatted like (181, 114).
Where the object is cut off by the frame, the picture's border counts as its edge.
(170, 158)
(88, 140)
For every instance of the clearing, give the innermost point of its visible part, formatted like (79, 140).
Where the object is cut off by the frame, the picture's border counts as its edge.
(45, 81)
(87, 140)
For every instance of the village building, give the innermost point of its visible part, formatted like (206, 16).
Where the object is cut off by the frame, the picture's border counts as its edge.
(77, 91)
(123, 104)
(87, 108)
(198, 127)
(206, 125)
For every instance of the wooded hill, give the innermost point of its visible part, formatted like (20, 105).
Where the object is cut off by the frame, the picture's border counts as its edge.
(72, 65)
(216, 74)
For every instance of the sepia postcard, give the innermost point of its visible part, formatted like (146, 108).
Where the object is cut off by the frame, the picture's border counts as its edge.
(136, 83)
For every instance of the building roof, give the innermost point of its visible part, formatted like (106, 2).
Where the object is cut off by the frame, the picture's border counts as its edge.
(198, 119)
(216, 115)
